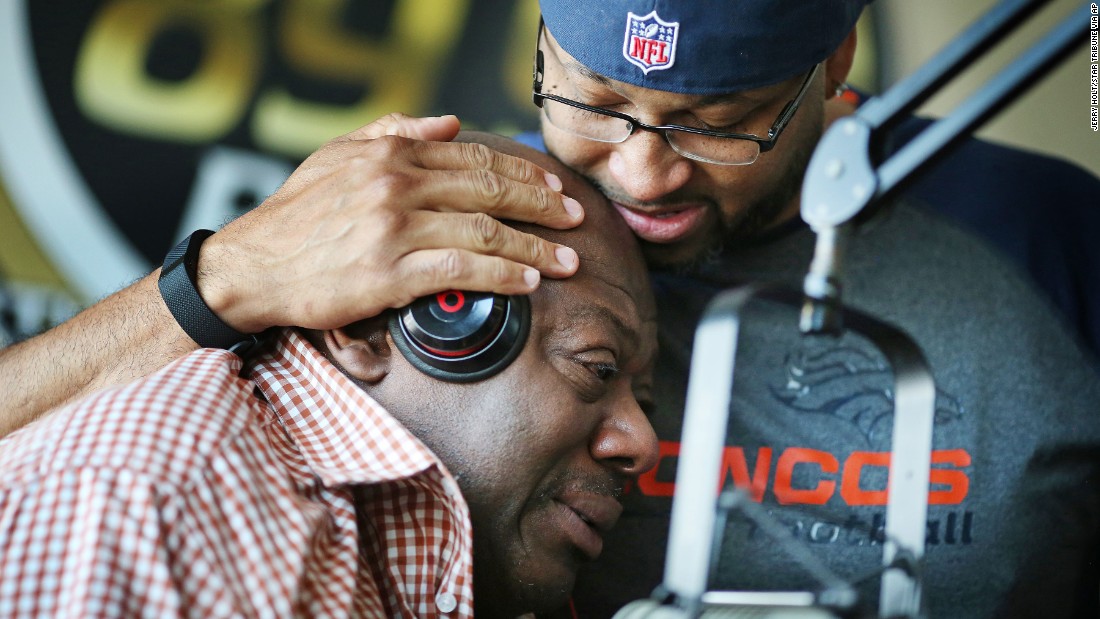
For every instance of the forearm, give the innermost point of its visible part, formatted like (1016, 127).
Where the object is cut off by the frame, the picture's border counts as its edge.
(127, 335)
(372, 220)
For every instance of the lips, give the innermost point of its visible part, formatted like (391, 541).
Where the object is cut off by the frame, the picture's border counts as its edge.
(664, 224)
(599, 511)
(585, 517)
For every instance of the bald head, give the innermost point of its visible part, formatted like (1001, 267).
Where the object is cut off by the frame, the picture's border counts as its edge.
(604, 243)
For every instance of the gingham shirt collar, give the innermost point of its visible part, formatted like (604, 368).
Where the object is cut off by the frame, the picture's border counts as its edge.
(343, 434)
(345, 437)
(183, 494)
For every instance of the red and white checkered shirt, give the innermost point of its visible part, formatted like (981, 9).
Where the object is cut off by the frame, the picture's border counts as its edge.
(196, 492)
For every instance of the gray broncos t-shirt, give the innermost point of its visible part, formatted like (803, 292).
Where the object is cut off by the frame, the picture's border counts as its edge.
(1015, 483)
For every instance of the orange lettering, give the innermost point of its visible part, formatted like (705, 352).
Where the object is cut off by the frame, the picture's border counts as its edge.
(948, 486)
(733, 460)
(784, 471)
(850, 490)
(957, 482)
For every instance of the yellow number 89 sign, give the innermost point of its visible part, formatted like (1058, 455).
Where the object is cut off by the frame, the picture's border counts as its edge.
(127, 123)
(397, 71)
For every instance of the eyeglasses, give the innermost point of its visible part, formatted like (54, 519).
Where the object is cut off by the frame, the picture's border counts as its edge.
(612, 127)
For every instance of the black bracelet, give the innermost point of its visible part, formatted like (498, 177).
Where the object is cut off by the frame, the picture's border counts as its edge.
(177, 288)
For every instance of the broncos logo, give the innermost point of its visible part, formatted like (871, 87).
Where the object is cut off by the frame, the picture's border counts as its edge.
(853, 385)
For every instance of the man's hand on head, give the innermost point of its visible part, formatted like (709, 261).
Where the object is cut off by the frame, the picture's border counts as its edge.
(376, 218)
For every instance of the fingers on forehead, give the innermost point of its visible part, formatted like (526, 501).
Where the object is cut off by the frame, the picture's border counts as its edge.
(602, 231)
(509, 146)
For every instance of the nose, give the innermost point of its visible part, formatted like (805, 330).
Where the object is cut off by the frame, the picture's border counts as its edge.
(625, 440)
(647, 168)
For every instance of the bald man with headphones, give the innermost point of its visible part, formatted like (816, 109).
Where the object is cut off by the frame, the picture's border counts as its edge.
(466, 453)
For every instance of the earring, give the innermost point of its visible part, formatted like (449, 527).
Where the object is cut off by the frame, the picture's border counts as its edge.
(841, 89)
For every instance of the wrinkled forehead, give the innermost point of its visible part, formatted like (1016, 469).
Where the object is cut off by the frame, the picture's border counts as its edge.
(701, 47)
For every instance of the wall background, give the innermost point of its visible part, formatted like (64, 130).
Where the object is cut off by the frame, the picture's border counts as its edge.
(125, 124)
(1052, 118)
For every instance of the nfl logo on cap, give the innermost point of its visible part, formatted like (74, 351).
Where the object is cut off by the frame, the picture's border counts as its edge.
(650, 42)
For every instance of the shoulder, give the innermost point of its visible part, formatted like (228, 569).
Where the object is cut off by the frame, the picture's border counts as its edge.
(1038, 211)
(981, 183)
(161, 427)
(967, 305)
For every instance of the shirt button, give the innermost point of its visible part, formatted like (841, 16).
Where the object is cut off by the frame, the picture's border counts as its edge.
(445, 602)
(449, 488)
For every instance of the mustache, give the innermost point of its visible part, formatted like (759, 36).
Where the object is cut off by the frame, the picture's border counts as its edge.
(671, 199)
(605, 484)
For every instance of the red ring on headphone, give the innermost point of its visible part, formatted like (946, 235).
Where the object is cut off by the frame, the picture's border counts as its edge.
(447, 306)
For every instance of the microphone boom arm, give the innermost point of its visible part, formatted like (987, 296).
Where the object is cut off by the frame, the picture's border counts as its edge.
(842, 179)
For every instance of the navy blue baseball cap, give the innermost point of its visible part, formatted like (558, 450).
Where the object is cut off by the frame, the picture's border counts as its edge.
(703, 47)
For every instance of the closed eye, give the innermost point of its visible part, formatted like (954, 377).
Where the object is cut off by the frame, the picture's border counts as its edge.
(603, 371)
(721, 127)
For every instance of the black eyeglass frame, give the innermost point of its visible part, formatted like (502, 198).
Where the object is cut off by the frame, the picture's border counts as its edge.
(765, 144)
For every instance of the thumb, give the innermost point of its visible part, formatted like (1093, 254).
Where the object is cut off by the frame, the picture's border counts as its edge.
(433, 128)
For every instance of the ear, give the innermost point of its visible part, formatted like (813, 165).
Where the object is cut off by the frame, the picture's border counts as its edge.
(839, 64)
(361, 349)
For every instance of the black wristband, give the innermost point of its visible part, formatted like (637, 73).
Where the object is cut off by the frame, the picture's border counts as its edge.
(177, 288)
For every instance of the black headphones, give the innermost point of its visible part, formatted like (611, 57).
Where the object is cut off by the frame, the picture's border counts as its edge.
(462, 336)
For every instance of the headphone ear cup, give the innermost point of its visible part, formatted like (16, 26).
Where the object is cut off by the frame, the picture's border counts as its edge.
(460, 336)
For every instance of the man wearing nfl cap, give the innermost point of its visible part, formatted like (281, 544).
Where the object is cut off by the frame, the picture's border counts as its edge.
(697, 120)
